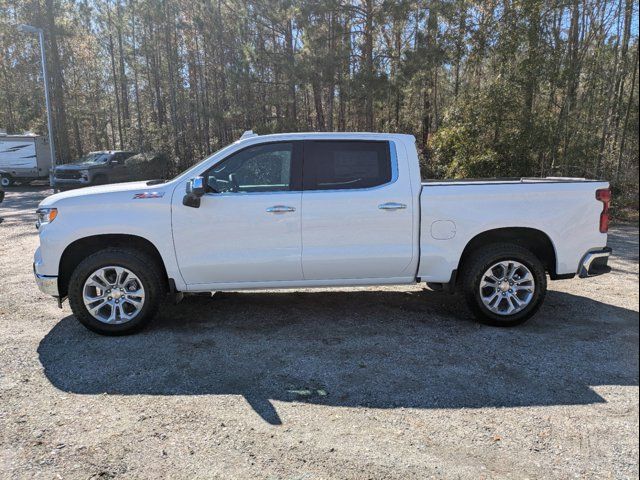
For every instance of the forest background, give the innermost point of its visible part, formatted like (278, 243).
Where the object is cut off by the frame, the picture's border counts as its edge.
(489, 88)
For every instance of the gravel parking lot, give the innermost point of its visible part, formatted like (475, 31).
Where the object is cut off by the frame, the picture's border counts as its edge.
(388, 382)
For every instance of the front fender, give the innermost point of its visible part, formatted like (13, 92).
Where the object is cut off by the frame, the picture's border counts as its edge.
(146, 217)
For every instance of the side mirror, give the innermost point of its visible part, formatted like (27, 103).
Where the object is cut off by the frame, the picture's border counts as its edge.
(194, 191)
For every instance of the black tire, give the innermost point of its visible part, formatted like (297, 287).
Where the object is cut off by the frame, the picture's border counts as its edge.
(144, 267)
(6, 180)
(481, 261)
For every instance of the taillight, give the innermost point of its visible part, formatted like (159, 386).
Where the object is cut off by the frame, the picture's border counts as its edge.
(604, 195)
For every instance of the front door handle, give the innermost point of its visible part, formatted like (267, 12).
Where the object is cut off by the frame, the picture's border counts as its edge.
(280, 209)
(392, 206)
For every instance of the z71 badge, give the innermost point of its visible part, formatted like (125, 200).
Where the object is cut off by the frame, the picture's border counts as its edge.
(148, 195)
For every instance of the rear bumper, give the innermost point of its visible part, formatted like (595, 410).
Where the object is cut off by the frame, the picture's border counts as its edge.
(595, 263)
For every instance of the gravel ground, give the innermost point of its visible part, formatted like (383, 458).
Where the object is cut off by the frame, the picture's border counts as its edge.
(350, 383)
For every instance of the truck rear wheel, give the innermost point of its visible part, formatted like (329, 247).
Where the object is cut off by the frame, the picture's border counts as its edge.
(115, 291)
(6, 180)
(504, 284)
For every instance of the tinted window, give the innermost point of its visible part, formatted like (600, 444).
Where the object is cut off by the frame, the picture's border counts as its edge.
(331, 165)
(95, 157)
(263, 168)
(120, 157)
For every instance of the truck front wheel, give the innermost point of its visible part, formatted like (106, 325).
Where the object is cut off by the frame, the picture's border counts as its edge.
(115, 291)
(100, 180)
(504, 284)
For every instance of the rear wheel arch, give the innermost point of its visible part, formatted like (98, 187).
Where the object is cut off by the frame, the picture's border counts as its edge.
(80, 249)
(534, 240)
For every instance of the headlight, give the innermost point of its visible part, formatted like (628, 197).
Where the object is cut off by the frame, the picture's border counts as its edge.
(46, 215)
(84, 174)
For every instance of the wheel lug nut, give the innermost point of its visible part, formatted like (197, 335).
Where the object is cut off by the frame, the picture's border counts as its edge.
(109, 298)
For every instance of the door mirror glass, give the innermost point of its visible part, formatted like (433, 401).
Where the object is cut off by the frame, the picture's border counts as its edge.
(194, 191)
(195, 186)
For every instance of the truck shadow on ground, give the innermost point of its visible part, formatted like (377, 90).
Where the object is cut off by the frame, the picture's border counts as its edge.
(379, 349)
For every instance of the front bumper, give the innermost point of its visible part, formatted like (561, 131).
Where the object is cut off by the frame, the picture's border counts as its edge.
(595, 263)
(47, 284)
(70, 182)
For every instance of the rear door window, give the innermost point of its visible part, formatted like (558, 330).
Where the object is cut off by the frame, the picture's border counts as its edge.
(343, 165)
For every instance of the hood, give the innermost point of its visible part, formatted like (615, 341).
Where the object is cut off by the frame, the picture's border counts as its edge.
(122, 190)
(74, 167)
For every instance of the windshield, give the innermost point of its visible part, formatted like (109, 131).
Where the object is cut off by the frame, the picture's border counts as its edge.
(94, 158)
(195, 168)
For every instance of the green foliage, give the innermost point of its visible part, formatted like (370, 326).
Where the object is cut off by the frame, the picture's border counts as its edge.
(148, 165)
(534, 87)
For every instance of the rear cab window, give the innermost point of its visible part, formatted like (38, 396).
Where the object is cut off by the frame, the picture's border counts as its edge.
(346, 164)
(120, 157)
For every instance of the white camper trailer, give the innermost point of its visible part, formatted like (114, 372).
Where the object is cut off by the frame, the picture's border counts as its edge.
(23, 158)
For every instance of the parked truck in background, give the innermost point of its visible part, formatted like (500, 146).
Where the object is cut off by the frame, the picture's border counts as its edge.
(317, 210)
(23, 158)
(95, 168)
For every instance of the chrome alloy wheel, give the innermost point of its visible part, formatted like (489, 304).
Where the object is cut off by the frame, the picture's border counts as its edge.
(113, 295)
(507, 287)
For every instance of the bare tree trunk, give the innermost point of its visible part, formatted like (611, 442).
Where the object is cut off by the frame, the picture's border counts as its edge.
(124, 89)
(57, 90)
(76, 134)
(173, 100)
(459, 45)
(317, 102)
(573, 77)
(620, 81)
(136, 85)
(292, 106)
(531, 83)
(368, 63)
(115, 77)
(429, 87)
(626, 117)
(397, 90)
(343, 74)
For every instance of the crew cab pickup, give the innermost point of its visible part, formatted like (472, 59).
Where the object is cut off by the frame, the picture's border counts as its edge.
(96, 168)
(316, 210)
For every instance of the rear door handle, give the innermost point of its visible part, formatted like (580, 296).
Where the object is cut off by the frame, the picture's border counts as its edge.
(392, 206)
(280, 209)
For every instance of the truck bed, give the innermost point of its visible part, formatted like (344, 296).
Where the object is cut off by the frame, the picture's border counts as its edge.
(564, 209)
(506, 180)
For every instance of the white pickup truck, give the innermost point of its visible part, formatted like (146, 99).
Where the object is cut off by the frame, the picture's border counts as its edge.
(316, 210)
